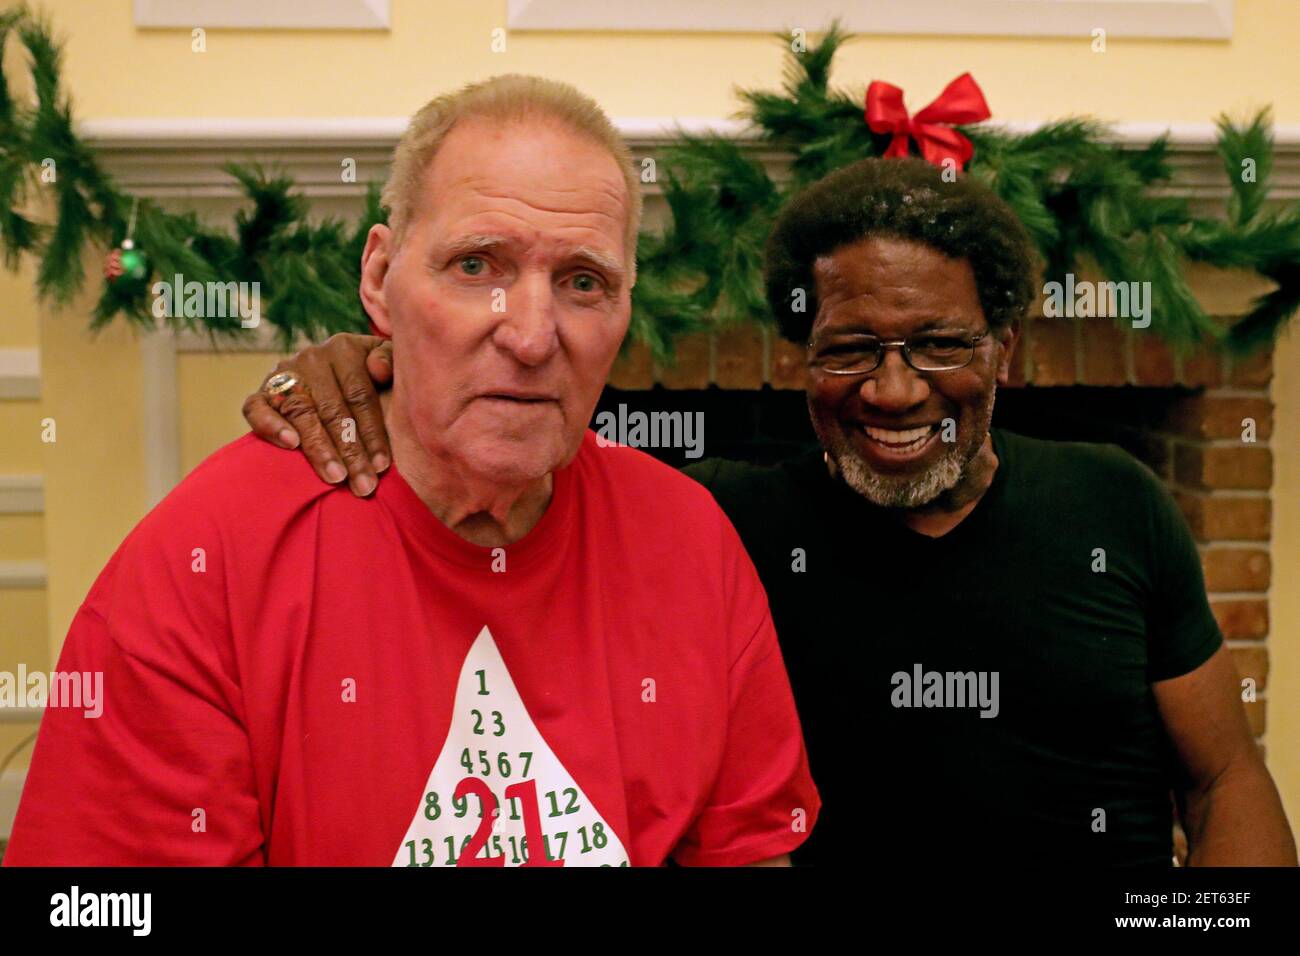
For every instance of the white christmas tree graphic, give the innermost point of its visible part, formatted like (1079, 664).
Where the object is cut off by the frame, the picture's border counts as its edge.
(497, 790)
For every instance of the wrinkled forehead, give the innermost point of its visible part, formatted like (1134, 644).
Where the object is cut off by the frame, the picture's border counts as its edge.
(527, 177)
(903, 285)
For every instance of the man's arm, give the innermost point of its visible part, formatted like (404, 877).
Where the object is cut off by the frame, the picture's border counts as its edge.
(159, 771)
(763, 803)
(342, 376)
(1233, 815)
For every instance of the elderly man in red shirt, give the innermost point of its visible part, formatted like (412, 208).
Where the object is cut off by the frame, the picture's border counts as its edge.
(523, 649)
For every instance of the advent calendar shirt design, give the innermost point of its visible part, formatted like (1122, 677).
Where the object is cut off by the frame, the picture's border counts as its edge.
(344, 681)
(497, 783)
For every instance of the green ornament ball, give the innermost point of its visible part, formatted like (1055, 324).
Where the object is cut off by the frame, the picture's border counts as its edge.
(135, 264)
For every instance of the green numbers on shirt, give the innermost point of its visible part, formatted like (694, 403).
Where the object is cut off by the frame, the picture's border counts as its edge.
(482, 762)
(497, 722)
(598, 837)
(518, 849)
(516, 846)
(596, 840)
(426, 852)
(514, 800)
(573, 807)
(562, 838)
(469, 763)
(452, 853)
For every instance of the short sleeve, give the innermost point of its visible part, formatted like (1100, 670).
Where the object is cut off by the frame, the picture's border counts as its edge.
(1182, 633)
(763, 802)
(162, 775)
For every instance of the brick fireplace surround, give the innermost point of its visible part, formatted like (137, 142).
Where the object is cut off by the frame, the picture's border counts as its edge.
(1073, 379)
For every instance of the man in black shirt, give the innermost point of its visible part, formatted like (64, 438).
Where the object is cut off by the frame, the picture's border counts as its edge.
(1073, 580)
(1001, 648)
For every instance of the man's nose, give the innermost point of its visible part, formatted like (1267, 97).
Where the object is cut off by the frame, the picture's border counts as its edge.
(528, 328)
(895, 386)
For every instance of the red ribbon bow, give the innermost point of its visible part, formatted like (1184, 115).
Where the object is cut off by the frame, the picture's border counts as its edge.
(960, 102)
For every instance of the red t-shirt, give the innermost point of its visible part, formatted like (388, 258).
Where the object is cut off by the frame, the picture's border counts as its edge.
(294, 676)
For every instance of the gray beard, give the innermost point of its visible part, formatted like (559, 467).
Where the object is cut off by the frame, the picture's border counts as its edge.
(887, 491)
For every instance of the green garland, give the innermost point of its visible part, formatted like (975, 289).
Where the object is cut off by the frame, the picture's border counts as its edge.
(1081, 198)
(308, 272)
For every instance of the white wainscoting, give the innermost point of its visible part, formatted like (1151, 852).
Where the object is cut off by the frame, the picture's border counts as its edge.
(20, 373)
(11, 788)
(22, 494)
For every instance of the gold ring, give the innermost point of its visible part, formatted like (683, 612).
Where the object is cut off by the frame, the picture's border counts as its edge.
(280, 385)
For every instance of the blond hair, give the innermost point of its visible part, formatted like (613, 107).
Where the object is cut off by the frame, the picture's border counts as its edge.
(510, 97)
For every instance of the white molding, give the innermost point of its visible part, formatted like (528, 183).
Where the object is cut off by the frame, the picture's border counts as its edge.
(1286, 136)
(1171, 19)
(22, 494)
(384, 131)
(22, 574)
(20, 373)
(182, 158)
(261, 15)
(160, 420)
(148, 131)
(261, 339)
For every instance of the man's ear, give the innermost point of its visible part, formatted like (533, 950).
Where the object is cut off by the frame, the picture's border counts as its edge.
(376, 259)
(1008, 338)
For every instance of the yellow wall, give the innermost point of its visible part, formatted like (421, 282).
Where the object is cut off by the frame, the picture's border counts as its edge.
(22, 536)
(436, 43)
(94, 472)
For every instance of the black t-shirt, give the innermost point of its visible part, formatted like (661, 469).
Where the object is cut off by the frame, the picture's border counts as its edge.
(1051, 608)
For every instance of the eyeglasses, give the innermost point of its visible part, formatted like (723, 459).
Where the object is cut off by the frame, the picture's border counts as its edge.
(926, 352)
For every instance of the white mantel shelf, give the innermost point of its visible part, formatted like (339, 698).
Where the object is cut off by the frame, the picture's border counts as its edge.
(305, 130)
(182, 157)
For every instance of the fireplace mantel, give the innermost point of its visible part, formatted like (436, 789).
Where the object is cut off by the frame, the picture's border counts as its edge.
(182, 157)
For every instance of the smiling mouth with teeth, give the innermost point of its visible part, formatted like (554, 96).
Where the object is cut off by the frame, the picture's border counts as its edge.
(906, 440)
